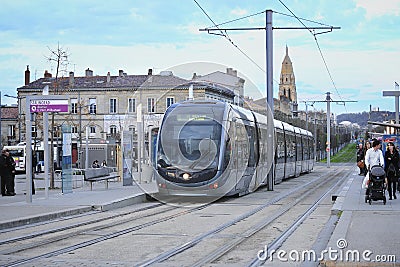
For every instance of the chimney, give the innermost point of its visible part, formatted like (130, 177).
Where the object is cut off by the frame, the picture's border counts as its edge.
(88, 73)
(231, 71)
(71, 79)
(47, 74)
(150, 72)
(121, 73)
(27, 75)
(108, 77)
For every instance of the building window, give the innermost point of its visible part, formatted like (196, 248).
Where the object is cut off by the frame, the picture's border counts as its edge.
(150, 105)
(92, 106)
(113, 130)
(33, 131)
(131, 105)
(92, 129)
(57, 132)
(11, 131)
(170, 101)
(113, 105)
(74, 105)
(74, 129)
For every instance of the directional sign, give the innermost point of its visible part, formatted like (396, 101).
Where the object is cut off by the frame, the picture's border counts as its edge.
(48, 105)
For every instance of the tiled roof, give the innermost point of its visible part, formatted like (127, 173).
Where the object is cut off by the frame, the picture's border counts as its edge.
(9, 113)
(124, 81)
(89, 82)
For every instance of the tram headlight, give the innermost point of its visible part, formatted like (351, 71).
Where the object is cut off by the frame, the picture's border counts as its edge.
(186, 176)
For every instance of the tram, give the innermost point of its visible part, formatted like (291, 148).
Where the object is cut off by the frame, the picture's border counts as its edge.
(213, 148)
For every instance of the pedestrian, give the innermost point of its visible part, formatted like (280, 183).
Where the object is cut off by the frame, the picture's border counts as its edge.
(374, 157)
(104, 163)
(7, 167)
(360, 158)
(95, 164)
(366, 147)
(392, 168)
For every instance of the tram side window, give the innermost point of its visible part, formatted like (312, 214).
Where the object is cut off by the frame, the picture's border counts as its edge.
(291, 147)
(306, 147)
(251, 133)
(228, 148)
(280, 147)
(311, 147)
(263, 145)
(299, 147)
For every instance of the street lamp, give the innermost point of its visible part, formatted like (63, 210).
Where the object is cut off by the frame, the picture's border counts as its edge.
(19, 115)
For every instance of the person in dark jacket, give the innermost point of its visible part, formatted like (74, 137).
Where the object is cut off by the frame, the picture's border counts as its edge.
(7, 167)
(392, 168)
(360, 158)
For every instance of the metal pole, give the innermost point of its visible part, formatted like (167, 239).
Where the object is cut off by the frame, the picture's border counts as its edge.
(139, 141)
(306, 117)
(269, 79)
(19, 119)
(46, 146)
(315, 134)
(87, 149)
(80, 129)
(269, 60)
(28, 168)
(328, 129)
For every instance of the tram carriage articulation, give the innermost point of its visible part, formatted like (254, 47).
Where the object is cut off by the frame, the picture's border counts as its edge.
(212, 148)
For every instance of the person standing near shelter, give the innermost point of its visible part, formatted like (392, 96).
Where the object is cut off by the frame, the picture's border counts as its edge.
(7, 167)
(392, 168)
(95, 164)
(360, 158)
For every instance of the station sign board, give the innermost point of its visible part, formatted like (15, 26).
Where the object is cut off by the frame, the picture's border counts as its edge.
(48, 105)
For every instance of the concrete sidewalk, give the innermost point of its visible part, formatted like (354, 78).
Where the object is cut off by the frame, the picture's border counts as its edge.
(371, 231)
(16, 211)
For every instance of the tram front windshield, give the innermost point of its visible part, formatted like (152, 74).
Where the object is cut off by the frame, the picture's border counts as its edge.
(189, 143)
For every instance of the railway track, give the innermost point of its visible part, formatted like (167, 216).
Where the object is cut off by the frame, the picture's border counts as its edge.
(75, 238)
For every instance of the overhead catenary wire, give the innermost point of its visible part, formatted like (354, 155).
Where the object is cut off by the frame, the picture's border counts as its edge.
(319, 49)
(224, 34)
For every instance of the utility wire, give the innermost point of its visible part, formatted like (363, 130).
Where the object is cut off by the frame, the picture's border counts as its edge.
(224, 34)
(319, 49)
(312, 21)
(245, 17)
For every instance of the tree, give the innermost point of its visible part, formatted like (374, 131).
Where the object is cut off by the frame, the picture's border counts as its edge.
(60, 57)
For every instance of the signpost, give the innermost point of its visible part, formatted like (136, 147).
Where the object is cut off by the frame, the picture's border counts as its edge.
(50, 105)
(37, 104)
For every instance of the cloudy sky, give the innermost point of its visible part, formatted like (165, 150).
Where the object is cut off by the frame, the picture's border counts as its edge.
(362, 58)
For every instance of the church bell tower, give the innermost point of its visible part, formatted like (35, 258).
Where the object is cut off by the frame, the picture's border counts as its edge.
(287, 83)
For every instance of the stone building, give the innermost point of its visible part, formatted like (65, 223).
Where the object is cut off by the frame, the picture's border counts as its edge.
(9, 125)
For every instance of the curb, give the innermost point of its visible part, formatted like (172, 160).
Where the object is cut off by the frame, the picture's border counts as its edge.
(339, 198)
(120, 203)
(43, 217)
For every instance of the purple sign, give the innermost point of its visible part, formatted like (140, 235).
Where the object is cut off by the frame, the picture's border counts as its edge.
(51, 105)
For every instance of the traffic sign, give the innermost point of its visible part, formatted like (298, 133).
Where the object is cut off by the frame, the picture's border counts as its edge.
(48, 105)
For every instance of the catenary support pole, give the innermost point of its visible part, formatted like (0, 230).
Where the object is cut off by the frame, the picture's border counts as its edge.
(47, 159)
(269, 78)
(328, 129)
(28, 160)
